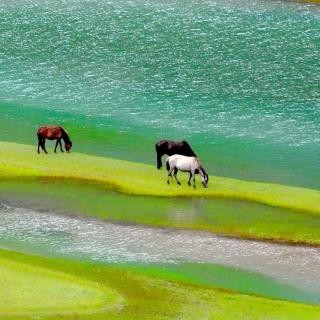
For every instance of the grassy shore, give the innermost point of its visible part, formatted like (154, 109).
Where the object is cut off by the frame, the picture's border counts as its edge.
(85, 184)
(28, 288)
(22, 161)
(120, 294)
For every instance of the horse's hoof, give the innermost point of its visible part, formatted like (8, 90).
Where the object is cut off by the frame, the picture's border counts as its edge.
(168, 182)
(179, 183)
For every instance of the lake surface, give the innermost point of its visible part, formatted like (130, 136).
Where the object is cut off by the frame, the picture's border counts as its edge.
(238, 79)
(292, 270)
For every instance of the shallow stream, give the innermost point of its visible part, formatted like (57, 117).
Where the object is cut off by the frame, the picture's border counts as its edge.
(294, 269)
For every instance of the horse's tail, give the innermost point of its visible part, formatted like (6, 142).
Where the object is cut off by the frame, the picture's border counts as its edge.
(167, 164)
(158, 147)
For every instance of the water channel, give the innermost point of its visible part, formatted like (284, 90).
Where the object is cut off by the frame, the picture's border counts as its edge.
(294, 268)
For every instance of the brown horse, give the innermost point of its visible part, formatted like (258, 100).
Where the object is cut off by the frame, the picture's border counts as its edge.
(53, 133)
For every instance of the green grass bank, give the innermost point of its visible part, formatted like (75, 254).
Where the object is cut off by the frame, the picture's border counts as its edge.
(22, 162)
(121, 294)
(122, 191)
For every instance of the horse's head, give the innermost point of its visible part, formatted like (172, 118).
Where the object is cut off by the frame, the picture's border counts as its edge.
(68, 146)
(204, 179)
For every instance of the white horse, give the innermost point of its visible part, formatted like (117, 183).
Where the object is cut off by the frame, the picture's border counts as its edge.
(186, 164)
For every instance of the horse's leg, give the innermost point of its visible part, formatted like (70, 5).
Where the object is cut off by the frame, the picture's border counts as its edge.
(60, 145)
(194, 178)
(190, 176)
(39, 141)
(38, 145)
(175, 175)
(55, 148)
(169, 175)
(159, 163)
(43, 145)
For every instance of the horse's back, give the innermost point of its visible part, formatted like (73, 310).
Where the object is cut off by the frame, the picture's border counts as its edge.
(181, 147)
(161, 144)
(50, 132)
(167, 144)
(183, 163)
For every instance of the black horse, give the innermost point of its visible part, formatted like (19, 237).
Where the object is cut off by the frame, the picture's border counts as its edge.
(170, 148)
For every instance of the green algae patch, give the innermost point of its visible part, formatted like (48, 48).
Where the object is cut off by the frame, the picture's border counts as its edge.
(28, 288)
(150, 297)
(22, 162)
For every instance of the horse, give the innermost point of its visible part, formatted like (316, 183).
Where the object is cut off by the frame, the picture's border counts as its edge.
(170, 148)
(53, 133)
(186, 164)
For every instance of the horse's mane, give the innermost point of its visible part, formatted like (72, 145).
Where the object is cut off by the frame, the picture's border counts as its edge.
(200, 168)
(65, 135)
(204, 171)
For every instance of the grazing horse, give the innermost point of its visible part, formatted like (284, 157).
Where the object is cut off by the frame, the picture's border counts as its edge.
(186, 164)
(170, 148)
(53, 133)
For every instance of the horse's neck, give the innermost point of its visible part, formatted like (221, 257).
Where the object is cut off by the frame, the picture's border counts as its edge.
(187, 149)
(65, 136)
(199, 167)
(197, 163)
(202, 171)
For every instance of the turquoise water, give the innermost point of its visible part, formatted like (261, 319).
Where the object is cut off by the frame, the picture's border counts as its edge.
(238, 79)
